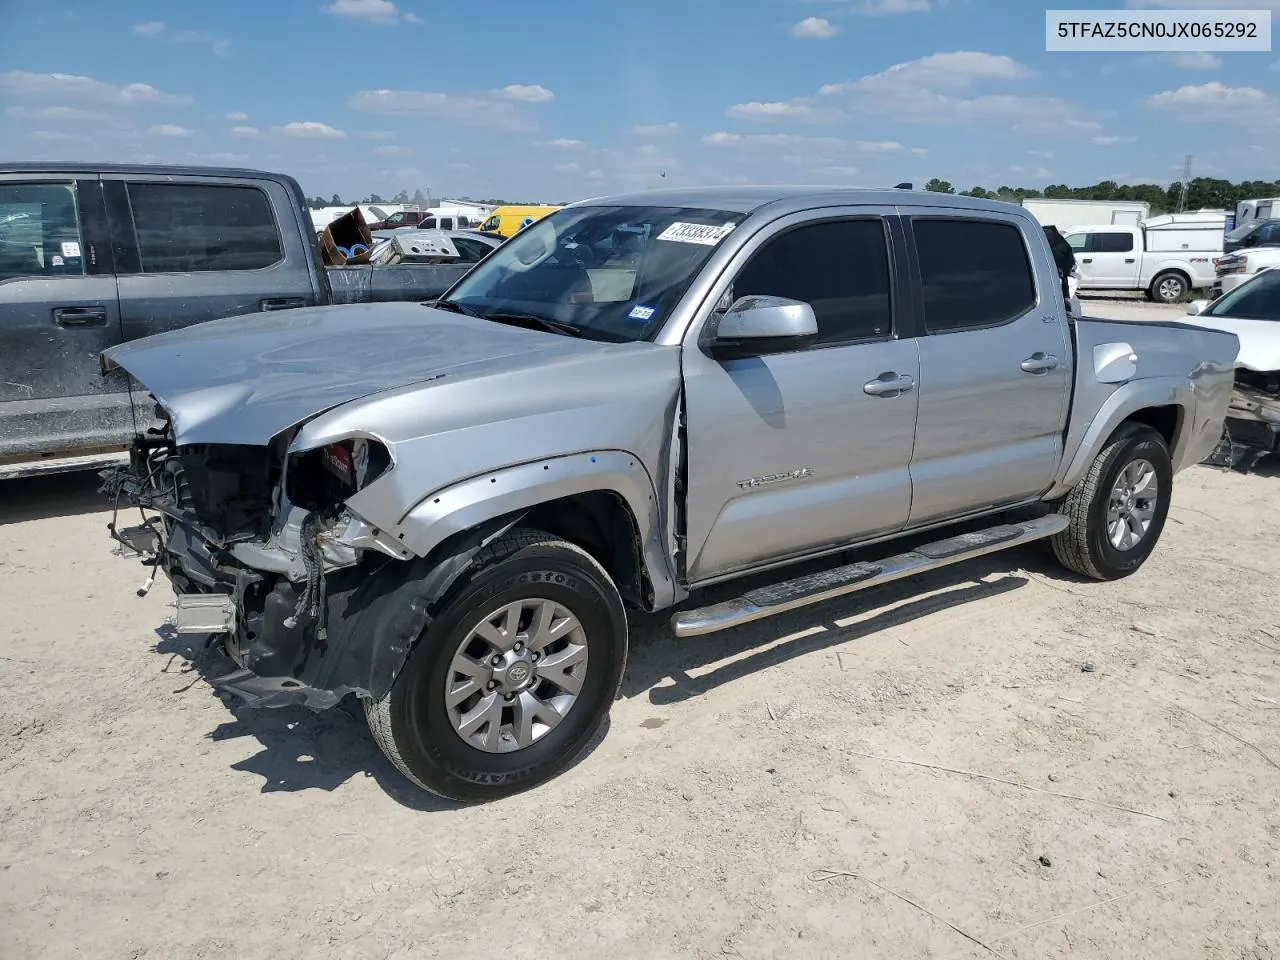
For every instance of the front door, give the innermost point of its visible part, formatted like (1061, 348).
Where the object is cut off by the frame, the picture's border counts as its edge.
(792, 452)
(1113, 258)
(995, 366)
(58, 312)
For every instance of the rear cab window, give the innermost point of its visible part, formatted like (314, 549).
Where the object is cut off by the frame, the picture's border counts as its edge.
(197, 228)
(974, 273)
(39, 231)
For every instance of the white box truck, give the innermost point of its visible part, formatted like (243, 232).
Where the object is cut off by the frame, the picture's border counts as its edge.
(1165, 256)
(1069, 213)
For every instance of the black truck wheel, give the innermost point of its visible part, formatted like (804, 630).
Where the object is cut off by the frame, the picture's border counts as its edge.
(1118, 510)
(513, 678)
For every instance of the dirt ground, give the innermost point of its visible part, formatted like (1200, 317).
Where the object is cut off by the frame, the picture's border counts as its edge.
(996, 759)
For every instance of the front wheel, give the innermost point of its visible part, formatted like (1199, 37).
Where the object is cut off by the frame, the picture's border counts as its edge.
(513, 678)
(1117, 511)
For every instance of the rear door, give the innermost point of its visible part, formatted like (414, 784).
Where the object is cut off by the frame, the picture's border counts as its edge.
(58, 311)
(995, 367)
(189, 250)
(1115, 255)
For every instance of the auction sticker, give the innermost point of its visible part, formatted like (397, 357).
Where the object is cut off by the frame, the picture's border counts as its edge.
(702, 233)
(70, 249)
(642, 313)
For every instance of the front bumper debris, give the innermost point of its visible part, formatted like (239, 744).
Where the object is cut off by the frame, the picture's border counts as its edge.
(212, 613)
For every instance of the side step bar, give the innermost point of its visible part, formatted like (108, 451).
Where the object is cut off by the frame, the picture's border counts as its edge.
(817, 587)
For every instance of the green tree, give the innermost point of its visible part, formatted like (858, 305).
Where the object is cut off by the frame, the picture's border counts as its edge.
(419, 199)
(336, 201)
(939, 186)
(980, 193)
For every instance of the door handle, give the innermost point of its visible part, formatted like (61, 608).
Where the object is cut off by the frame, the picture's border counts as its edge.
(888, 384)
(80, 316)
(1129, 260)
(1039, 363)
(1087, 260)
(283, 303)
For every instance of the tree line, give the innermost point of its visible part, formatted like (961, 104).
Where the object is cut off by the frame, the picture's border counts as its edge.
(1202, 192)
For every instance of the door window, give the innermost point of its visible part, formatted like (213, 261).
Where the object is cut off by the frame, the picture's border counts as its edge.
(973, 273)
(471, 251)
(1078, 242)
(840, 268)
(39, 234)
(428, 224)
(1113, 242)
(194, 228)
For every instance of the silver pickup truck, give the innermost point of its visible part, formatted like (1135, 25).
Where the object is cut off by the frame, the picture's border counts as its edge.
(447, 510)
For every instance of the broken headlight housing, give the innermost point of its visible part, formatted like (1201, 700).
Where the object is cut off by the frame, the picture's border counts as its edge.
(328, 476)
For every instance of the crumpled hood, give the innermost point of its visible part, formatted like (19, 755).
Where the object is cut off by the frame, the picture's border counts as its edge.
(1259, 340)
(245, 379)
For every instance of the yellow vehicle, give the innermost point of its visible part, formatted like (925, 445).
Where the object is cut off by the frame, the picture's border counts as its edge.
(508, 221)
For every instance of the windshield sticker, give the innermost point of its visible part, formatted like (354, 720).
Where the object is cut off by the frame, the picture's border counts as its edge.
(642, 313)
(701, 233)
(70, 249)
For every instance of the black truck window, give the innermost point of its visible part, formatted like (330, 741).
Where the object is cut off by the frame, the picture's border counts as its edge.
(196, 228)
(39, 236)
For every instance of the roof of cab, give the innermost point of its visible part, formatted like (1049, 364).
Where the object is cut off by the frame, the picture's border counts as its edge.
(749, 199)
(135, 169)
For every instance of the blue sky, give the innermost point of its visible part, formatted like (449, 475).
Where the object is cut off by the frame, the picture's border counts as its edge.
(576, 98)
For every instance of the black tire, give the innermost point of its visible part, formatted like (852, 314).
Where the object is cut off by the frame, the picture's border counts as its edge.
(411, 724)
(1084, 547)
(1164, 285)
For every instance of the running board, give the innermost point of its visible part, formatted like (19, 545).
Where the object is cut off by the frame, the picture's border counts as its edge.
(815, 588)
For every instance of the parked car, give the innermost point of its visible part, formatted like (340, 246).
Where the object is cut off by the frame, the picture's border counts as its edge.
(447, 511)
(96, 255)
(422, 220)
(436, 246)
(1252, 312)
(508, 221)
(1249, 249)
(1166, 256)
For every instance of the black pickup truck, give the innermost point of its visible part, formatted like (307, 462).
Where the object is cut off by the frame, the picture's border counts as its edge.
(93, 255)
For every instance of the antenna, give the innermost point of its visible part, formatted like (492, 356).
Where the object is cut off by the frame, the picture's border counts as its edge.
(902, 186)
(1186, 183)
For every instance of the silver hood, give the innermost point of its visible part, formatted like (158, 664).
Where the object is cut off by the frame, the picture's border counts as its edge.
(246, 379)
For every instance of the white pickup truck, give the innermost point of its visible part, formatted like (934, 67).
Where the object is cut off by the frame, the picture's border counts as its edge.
(1167, 256)
(1251, 248)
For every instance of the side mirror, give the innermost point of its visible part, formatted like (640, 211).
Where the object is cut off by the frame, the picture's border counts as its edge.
(755, 326)
(1196, 307)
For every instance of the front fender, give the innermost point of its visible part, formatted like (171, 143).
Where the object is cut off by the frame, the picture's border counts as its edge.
(1123, 403)
(468, 503)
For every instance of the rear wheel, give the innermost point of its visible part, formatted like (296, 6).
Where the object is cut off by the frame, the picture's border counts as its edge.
(513, 678)
(1169, 287)
(1118, 510)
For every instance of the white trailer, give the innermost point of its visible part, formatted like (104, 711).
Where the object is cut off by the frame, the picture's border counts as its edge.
(1267, 208)
(1069, 213)
(1166, 256)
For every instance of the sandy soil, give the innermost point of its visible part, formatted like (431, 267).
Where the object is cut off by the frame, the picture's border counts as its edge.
(762, 793)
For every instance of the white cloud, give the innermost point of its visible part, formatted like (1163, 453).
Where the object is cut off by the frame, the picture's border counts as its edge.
(219, 157)
(309, 129)
(920, 151)
(497, 109)
(929, 91)
(1216, 102)
(246, 133)
(796, 142)
(568, 168)
(1196, 60)
(655, 129)
(236, 116)
(526, 93)
(595, 175)
(168, 130)
(880, 8)
(49, 135)
(84, 89)
(391, 150)
(162, 33)
(1110, 140)
(1208, 4)
(383, 13)
(566, 143)
(53, 113)
(815, 28)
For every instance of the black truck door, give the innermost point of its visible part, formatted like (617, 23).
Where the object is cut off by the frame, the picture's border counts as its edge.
(192, 249)
(58, 310)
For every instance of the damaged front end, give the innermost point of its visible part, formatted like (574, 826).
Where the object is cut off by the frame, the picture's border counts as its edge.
(265, 556)
(1253, 419)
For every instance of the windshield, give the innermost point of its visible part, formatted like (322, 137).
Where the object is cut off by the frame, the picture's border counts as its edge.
(1259, 299)
(611, 273)
(1242, 231)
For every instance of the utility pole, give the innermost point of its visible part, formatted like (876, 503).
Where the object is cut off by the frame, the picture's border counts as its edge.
(1186, 183)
